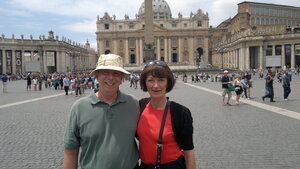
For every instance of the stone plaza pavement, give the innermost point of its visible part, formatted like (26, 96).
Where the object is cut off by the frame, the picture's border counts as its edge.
(252, 135)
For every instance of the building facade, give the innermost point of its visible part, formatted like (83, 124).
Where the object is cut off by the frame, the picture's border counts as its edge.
(260, 36)
(46, 54)
(182, 42)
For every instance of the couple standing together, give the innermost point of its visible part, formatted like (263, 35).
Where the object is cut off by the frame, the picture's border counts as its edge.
(104, 124)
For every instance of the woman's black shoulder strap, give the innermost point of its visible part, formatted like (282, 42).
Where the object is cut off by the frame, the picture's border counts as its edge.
(143, 102)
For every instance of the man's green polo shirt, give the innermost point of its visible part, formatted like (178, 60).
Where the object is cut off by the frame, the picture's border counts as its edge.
(105, 133)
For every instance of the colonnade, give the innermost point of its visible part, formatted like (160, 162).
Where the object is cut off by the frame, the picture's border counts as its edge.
(239, 56)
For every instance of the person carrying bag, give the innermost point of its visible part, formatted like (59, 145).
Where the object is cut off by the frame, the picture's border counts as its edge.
(165, 128)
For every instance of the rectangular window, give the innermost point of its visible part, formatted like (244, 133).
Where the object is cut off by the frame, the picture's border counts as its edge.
(106, 26)
(174, 25)
(131, 26)
(278, 50)
(120, 27)
(199, 24)
(107, 43)
(185, 25)
(269, 51)
(162, 25)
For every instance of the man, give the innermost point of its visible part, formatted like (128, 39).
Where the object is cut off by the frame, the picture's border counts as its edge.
(66, 82)
(77, 85)
(103, 124)
(28, 78)
(269, 86)
(4, 80)
(286, 85)
(225, 81)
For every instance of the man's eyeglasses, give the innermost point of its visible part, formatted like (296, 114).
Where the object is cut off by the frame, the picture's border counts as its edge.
(156, 62)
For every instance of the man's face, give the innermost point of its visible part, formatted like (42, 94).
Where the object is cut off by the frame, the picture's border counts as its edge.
(109, 80)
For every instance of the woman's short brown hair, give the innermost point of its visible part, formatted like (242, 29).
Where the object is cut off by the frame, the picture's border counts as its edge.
(159, 71)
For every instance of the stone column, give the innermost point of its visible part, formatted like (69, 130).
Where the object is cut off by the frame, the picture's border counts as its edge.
(237, 58)
(191, 49)
(45, 61)
(293, 56)
(13, 61)
(261, 57)
(273, 50)
(165, 48)
(282, 56)
(242, 58)
(23, 61)
(169, 57)
(115, 47)
(3, 61)
(126, 59)
(141, 60)
(158, 49)
(138, 54)
(247, 58)
(58, 61)
(179, 49)
(31, 55)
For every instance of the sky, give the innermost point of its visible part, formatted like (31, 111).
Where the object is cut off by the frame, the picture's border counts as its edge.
(76, 19)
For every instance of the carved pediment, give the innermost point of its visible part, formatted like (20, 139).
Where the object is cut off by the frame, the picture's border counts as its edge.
(106, 17)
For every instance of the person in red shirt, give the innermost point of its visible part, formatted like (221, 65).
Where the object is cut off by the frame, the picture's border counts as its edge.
(177, 137)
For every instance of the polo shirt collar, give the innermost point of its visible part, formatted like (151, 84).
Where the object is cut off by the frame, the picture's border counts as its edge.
(120, 98)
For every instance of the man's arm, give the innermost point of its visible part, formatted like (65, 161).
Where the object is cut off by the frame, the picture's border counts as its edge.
(71, 158)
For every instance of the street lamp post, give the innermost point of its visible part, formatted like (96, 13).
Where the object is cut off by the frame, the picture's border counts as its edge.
(222, 50)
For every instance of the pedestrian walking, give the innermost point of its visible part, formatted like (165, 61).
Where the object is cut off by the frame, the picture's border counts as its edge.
(269, 86)
(34, 83)
(66, 82)
(225, 82)
(28, 82)
(286, 85)
(4, 79)
(77, 86)
(237, 83)
(40, 82)
(103, 125)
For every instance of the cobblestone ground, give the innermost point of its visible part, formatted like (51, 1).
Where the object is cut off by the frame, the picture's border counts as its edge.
(231, 137)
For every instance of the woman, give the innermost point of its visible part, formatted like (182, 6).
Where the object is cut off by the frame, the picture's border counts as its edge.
(237, 83)
(177, 136)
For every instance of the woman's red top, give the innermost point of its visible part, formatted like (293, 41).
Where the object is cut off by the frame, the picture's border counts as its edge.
(148, 132)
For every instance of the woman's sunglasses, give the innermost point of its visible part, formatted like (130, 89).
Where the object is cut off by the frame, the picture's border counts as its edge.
(156, 62)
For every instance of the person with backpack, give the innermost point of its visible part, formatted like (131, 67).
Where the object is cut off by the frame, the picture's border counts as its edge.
(165, 128)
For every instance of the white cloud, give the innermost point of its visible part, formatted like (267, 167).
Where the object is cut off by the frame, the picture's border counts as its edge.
(88, 26)
(11, 12)
(221, 10)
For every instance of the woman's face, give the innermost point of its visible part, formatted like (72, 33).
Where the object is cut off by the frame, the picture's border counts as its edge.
(156, 86)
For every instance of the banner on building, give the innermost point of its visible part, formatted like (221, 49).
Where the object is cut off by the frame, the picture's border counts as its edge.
(297, 49)
(18, 61)
(8, 61)
(288, 50)
(50, 58)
